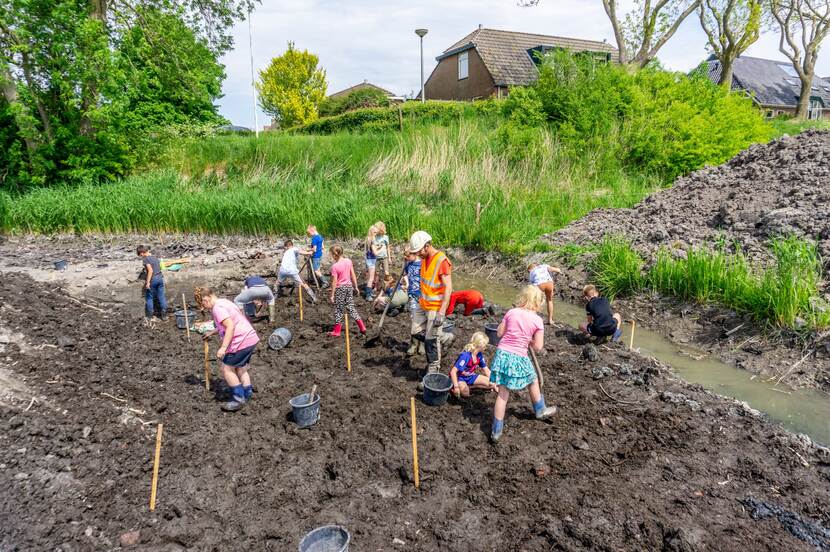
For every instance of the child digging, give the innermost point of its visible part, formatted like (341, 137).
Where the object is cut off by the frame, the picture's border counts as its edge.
(542, 277)
(464, 374)
(343, 284)
(602, 321)
(512, 370)
(153, 283)
(239, 340)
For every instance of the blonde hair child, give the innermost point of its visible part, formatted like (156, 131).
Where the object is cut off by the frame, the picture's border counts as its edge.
(464, 373)
(512, 369)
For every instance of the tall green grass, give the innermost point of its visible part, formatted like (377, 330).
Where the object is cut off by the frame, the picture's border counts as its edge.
(785, 293)
(431, 178)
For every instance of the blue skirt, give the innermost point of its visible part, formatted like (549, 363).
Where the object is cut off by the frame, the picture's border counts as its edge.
(511, 370)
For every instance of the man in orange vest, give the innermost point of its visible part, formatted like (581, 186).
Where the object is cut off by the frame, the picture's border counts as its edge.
(436, 289)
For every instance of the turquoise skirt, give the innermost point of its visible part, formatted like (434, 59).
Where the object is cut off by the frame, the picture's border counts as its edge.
(511, 370)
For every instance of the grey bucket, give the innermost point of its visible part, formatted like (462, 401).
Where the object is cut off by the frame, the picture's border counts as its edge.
(279, 338)
(329, 538)
(492, 331)
(306, 413)
(61, 265)
(182, 322)
(436, 389)
(250, 309)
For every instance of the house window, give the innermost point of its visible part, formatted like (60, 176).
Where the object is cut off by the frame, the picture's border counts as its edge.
(814, 109)
(463, 65)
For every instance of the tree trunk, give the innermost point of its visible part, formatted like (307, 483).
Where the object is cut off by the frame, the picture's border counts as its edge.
(727, 69)
(25, 122)
(804, 97)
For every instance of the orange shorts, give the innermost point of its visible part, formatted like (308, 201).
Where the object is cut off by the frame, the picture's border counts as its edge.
(548, 288)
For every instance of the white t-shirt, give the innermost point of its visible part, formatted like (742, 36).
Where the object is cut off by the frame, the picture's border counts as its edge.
(540, 275)
(289, 262)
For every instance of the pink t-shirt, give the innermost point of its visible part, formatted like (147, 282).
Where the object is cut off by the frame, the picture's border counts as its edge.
(520, 325)
(244, 335)
(341, 272)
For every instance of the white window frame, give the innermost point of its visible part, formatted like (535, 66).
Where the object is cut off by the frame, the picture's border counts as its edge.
(814, 110)
(463, 65)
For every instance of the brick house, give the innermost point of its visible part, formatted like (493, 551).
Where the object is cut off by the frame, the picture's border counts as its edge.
(487, 62)
(774, 86)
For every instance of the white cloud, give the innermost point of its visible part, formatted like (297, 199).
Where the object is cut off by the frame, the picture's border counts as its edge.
(375, 39)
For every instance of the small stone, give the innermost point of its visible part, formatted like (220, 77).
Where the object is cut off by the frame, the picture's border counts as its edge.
(88, 531)
(590, 353)
(542, 471)
(87, 431)
(601, 372)
(129, 538)
(21, 450)
(398, 541)
(21, 476)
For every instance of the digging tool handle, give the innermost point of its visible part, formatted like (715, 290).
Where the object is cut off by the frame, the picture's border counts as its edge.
(389, 302)
(207, 366)
(538, 368)
(311, 395)
(154, 484)
(186, 318)
(348, 347)
(417, 475)
(300, 292)
(631, 341)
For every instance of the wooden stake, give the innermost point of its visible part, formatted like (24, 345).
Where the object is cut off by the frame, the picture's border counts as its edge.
(415, 445)
(348, 347)
(631, 341)
(186, 318)
(400, 117)
(478, 212)
(154, 486)
(207, 367)
(300, 290)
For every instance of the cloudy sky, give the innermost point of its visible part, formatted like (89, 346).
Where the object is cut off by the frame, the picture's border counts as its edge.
(375, 39)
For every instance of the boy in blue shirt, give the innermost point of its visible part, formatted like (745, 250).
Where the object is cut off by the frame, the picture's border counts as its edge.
(153, 282)
(317, 256)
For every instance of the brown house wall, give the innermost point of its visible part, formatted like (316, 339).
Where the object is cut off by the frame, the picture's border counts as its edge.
(443, 83)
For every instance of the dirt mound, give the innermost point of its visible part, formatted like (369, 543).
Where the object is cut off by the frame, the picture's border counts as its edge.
(768, 190)
(634, 460)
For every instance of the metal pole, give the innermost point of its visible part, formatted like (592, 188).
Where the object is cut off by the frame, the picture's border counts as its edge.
(423, 92)
(253, 81)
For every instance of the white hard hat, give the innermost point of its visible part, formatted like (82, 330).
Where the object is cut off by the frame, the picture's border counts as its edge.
(418, 240)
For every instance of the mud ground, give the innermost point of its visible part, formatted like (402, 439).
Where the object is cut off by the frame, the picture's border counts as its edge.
(635, 459)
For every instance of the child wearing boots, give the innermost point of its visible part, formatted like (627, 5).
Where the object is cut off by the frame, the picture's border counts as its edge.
(343, 284)
(512, 369)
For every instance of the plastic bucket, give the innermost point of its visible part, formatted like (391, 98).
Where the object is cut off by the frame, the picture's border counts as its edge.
(436, 389)
(492, 331)
(183, 322)
(61, 265)
(279, 338)
(305, 413)
(250, 309)
(329, 538)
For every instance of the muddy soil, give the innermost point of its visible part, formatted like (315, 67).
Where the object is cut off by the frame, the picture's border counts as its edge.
(635, 459)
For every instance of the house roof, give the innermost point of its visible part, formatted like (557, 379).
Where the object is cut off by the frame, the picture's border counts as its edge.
(359, 86)
(771, 82)
(505, 53)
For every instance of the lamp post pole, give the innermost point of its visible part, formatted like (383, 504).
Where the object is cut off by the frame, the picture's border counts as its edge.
(253, 81)
(421, 33)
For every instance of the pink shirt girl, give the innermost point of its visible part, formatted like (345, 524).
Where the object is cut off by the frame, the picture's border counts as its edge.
(244, 335)
(520, 325)
(341, 272)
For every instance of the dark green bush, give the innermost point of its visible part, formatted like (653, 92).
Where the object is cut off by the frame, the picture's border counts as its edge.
(359, 99)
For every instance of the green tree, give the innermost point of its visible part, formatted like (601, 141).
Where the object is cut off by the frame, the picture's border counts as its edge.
(731, 26)
(292, 87)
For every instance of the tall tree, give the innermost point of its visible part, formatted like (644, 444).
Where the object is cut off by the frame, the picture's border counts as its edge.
(804, 25)
(292, 87)
(643, 30)
(731, 26)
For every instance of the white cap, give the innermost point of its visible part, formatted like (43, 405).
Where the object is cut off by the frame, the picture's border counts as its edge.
(418, 240)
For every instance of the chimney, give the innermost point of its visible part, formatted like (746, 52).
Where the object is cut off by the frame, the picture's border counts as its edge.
(479, 26)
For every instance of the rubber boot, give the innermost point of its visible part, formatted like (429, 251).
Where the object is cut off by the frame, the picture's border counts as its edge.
(361, 326)
(272, 312)
(421, 349)
(336, 331)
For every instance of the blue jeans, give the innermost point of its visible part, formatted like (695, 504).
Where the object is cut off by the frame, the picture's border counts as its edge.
(315, 263)
(156, 291)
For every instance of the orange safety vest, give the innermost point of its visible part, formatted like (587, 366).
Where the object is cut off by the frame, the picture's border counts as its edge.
(432, 289)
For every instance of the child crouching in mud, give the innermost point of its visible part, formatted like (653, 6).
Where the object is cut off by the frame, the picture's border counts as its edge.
(343, 284)
(602, 321)
(512, 369)
(239, 340)
(464, 374)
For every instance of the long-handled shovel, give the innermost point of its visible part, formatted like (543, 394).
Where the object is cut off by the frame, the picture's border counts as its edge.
(538, 369)
(373, 341)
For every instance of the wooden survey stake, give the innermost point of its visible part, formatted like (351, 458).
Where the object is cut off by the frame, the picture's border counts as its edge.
(154, 485)
(348, 347)
(417, 475)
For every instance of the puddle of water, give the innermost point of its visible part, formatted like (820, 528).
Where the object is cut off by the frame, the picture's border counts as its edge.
(801, 411)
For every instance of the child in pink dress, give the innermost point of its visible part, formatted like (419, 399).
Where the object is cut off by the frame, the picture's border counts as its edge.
(239, 340)
(512, 370)
(343, 284)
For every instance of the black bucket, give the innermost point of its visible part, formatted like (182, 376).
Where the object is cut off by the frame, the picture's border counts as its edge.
(492, 331)
(250, 309)
(436, 389)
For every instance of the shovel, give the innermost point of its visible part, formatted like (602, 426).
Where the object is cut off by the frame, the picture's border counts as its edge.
(373, 341)
(538, 369)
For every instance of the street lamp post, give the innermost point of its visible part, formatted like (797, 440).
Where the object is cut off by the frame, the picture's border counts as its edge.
(421, 33)
(253, 80)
